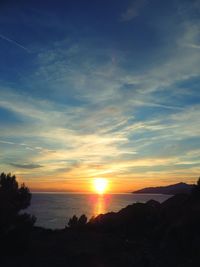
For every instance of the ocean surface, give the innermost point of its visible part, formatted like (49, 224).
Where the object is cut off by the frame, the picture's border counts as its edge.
(53, 210)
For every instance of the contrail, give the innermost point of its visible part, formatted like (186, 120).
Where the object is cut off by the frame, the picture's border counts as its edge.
(14, 42)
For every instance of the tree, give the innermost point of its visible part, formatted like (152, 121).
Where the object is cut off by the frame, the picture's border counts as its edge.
(13, 199)
(196, 190)
(198, 183)
(82, 220)
(73, 222)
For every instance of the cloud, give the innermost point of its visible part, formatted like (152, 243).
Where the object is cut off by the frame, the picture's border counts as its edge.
(195, 46)
(26, 166)
(112, 119)
(14, 42)
(6, 142)
(133, 10)
(106, 127)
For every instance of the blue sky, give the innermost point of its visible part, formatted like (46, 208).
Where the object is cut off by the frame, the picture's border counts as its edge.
(100, 89)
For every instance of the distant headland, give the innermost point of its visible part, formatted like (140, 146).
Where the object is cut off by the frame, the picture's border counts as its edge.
(173, 189)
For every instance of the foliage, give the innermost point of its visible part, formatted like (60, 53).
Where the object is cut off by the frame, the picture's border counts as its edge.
(14, 225)
(198, 183)
(196, 190)
(74, 222)
(82, 220)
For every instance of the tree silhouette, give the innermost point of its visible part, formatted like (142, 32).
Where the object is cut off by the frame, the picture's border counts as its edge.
(196, 190)
(82, 220)
(73, 222)
(14, 225)
(198, 183)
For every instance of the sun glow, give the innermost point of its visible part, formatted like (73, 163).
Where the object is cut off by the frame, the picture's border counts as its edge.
(100, 185)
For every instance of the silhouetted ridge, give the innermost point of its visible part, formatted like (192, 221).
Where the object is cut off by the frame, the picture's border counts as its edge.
(168, 190)
(150, 234)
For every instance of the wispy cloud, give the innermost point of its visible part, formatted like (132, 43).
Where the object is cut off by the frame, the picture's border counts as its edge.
(6, 142)
(14, 42)
(195, 46)
(88, 115)
(133, 10)
(26, 166)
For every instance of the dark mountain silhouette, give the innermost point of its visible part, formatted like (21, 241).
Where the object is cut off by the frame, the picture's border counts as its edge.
(150, 234)
(168, 190)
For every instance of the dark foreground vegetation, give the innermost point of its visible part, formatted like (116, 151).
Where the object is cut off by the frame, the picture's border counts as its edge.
(140, 235)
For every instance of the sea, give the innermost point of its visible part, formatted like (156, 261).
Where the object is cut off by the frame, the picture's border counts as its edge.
(53, 210)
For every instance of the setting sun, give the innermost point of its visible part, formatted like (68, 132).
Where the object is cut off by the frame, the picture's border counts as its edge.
(100, 185)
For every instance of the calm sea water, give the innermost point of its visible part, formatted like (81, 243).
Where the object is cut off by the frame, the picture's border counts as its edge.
(53, 210)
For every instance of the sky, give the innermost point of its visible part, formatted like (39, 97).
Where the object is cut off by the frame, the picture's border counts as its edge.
(105, 88)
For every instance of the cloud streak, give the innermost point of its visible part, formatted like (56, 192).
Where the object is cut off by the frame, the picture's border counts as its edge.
(133, 10)
(14, 42)
(26, 166)
(81, 114)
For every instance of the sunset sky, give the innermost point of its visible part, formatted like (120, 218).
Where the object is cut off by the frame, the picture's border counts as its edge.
(105, 88)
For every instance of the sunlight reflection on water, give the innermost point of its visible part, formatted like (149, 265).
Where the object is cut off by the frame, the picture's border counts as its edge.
(53, 210)
(99, 205)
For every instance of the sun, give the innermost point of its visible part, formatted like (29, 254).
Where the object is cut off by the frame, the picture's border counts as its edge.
(100, 185)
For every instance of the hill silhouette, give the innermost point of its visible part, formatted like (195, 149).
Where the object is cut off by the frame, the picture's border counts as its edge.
(150, 234)
(168, 190)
